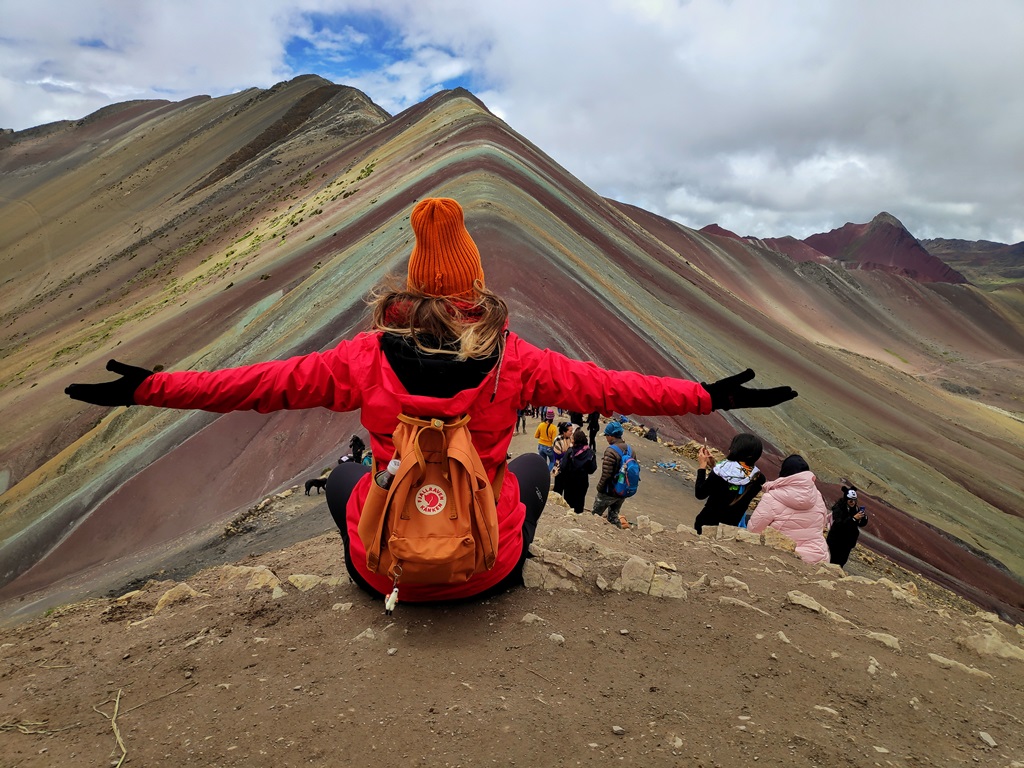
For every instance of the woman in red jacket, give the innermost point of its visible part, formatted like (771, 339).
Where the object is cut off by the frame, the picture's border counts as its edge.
(440, 346)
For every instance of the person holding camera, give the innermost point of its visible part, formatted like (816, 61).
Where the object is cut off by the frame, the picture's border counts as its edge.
(847, 520)
(730, 485)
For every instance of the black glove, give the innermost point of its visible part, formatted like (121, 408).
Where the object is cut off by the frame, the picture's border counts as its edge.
(730, 393)
(118, 392)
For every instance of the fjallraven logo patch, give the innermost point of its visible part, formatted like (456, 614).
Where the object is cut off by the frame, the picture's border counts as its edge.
(431, 499)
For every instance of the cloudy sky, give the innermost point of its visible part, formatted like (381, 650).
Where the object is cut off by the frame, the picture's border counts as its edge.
(769, 118)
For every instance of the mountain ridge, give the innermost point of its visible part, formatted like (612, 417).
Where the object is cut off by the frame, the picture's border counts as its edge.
(884, 243)
(881, 244)
(987, 264)
(275, 258)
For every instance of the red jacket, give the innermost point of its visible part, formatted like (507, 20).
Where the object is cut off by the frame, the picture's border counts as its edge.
(355, 374)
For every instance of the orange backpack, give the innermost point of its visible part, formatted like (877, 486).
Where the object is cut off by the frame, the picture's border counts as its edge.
(437, 521)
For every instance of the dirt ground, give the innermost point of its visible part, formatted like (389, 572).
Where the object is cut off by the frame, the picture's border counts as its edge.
(647, 647)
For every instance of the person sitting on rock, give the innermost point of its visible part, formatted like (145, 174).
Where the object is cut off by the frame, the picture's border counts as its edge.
(793, 506)
(441, 347)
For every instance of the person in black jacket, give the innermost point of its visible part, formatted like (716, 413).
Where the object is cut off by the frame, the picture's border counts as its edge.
(575, 469)
(730, 485)
(593, 427)
(847, 520)
(559, 448)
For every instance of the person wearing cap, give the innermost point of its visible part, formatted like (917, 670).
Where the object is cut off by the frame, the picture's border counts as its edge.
(793, 506)
(545, 434)
(847, 520)
(606, 501)
(356, 446)
(439, 345)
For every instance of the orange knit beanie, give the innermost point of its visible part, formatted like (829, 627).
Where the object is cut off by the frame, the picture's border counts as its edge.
(445, 260)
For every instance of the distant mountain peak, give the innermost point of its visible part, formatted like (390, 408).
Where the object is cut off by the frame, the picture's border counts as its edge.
(884, 244)
(715, 229)
(887, 218)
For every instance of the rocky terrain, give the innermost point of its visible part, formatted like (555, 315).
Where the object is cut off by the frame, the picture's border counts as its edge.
(650, 646)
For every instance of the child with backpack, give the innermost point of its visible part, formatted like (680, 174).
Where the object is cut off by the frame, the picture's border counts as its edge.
(439, 354)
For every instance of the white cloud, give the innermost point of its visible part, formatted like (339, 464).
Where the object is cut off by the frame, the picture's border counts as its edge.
(797, 115)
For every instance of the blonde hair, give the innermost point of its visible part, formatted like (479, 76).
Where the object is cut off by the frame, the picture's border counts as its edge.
(470, 328)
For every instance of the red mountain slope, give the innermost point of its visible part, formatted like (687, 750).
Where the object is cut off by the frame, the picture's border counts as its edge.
(884, 244)
(908, 389)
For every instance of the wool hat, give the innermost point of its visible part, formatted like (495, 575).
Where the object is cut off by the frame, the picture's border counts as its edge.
(793, 465)
(851, 494)
(613, 428)
(445, 261)
(549, 413)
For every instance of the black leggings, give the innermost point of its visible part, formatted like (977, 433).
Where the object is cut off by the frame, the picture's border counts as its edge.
(530, 469)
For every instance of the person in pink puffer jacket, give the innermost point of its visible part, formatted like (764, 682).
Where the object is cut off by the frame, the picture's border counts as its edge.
(793, 506)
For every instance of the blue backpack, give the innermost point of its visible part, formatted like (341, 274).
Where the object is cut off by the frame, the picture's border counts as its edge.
(627, 480)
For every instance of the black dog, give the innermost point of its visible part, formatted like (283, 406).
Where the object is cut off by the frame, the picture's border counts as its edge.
(317, 483)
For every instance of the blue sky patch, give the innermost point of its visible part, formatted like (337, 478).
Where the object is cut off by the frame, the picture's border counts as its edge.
(341, 47)
(343, 44)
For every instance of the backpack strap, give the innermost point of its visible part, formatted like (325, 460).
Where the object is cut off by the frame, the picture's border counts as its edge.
(622, 458)
(622, 454)
(466, 458)
(743, 494)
